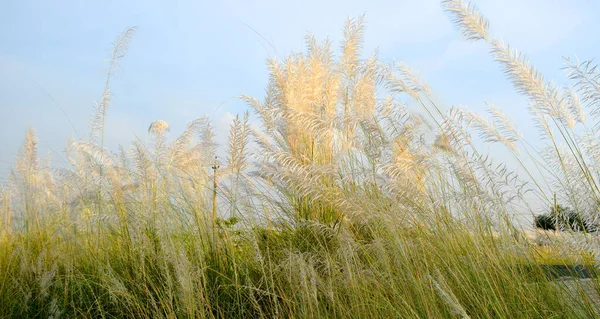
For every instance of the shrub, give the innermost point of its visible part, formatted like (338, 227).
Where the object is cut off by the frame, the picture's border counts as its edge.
(565, 218)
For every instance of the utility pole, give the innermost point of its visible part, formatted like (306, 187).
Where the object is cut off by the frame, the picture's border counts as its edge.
(555, 213)
(215, 167)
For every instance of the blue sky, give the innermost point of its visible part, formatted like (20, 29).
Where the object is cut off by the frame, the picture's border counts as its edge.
(191, 58)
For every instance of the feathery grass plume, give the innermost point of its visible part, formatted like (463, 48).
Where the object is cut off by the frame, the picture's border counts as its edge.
(500, 129)
(574, 102)
(237, 158)
(407, 81)
(467, 18)
(207, 143)
(352, 46)
(364, 92)
(587, 83)
(157, 131)
(6, 213)
(549, 105)
(393, 114)
(186, 139)
(264, 112)
(503, 123)
(120, 48)
(571, 182)
(452, 127)
(447, 296)
(442, 142)
(528, 81)
(158, 127)
(29, 182)
(525, 78)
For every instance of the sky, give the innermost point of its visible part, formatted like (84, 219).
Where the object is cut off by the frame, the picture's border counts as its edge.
(191, 58)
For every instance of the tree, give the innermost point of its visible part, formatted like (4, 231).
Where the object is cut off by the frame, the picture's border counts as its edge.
(563, 217)
(544, 221)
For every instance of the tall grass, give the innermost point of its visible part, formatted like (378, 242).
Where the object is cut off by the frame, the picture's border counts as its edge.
(340, 203)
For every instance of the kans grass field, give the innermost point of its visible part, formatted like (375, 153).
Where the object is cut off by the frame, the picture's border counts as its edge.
(353, 195)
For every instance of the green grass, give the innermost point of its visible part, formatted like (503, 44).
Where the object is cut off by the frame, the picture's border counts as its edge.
(369, 272)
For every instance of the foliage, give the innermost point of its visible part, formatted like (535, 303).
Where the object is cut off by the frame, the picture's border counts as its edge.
(563, 217)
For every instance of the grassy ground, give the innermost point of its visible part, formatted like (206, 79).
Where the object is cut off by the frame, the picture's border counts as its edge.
(314, 271)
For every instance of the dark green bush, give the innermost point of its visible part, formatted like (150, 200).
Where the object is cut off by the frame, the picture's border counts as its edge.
(563, 217)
